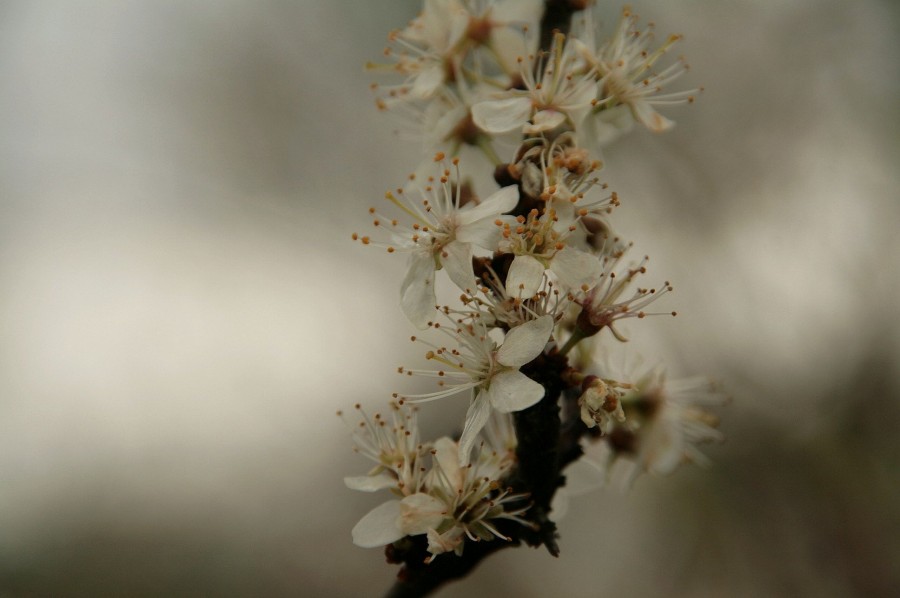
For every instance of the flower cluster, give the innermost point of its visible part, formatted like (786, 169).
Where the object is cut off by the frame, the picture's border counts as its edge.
(537, 267)
(435, 493)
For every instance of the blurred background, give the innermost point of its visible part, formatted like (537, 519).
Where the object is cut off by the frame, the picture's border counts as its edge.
(182, 310)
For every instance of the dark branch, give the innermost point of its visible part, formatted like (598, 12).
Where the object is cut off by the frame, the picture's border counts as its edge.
(558, 17)
(418, 578)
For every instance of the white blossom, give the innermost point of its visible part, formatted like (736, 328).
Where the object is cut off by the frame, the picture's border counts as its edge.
(625, 65)
(664, 421)
(561, 96)
(489, 369)
(669, 436)
(441, 236)
(394, 446)
(458, 501)
(427, 50)
(451, 56)
(494, 307)
(539, 246)
(610, 296)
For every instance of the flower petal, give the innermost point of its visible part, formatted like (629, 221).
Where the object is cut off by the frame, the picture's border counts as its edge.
(439, 122)
(545, 120)
(380, 526)
(440, 25)
(575, 268)
(508, 42)
(421, 512)
(370, 483)
(559, 506)
(417, 291)
(501, 116)
(525, 342)
(584, 476)
(499, 202)
(428, 81)
(524, 277)
(457, 260)
(446, 454)
(511, 390)
(662, 448)
(485, 232)
(476, 417)
(645, 114)
(604, 127)
(441, 543)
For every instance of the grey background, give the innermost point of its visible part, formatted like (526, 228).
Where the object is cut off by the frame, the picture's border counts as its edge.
(182, 310)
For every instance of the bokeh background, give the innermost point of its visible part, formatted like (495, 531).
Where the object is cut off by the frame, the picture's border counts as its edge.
(182, 311)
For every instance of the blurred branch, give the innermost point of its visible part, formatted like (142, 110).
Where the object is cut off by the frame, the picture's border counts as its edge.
(558, 17)
(418, 578)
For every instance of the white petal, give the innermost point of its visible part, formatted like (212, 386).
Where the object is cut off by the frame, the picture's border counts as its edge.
(525, 342)
(428, 81)
(440, 25)
(501, 116)
(420, 512)
(458, 263)
(524, 277)
(446, 453)
(545, 120)
(417, 291)
(619, 117)
(662, 448)
(623, 473)
(476, 417)
(605, 127)
(441, 543)
(582, 50)
(379, 527)
(575, 268)
(440, 120)
(370, 483)
(497, 203)
(447, 23)
(484, 233)
(566, 211)
(645, 114)
(511, 390)
(584, 476)
(578, 101)
(508, 42)
(559, 506)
